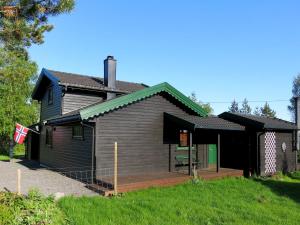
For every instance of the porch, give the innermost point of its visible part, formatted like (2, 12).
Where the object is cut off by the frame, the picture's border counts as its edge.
(186, 143)
(195, 138)
(159, 179)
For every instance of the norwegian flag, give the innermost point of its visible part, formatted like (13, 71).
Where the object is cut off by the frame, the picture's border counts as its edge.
(20, 133)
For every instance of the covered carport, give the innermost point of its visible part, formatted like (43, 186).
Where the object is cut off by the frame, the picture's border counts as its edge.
(230, 140)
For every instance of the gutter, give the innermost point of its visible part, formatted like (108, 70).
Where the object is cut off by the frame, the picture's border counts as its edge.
(64, 120)
(259, 134)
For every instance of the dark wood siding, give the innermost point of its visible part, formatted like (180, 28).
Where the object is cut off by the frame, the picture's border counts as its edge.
(54, 109)
(138, 129)
(67, 152)
(74, 101)
(203, 156)
(285, 161)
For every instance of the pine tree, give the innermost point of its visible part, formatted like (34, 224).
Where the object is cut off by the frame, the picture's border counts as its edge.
(295, 93)
(246, 109)
(234, 107)
(23, 23)
(267, 111)
(257, 111)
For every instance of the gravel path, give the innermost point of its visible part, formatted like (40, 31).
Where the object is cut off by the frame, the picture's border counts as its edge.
(34, 176)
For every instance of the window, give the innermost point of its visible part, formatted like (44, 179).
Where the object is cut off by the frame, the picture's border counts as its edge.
(50, 96)
(77, 132)
(49, 136)
(183, 138)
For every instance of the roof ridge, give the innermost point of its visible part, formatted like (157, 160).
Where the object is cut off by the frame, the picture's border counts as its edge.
(91, 76)
(124, 100)
(264, 116)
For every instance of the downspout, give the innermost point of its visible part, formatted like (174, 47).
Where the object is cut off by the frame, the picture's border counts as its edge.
(93, 148)
(259, 134)
(295, 141)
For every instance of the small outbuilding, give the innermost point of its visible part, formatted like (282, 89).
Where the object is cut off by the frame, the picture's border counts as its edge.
(271, 144)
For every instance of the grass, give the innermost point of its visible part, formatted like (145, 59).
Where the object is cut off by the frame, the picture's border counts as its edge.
(227, 201)
(17, 155)
(19, 152)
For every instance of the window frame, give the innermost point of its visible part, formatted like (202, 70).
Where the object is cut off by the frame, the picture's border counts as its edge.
(185, 132)
(49, 136)
(78, 137)
(50, 95)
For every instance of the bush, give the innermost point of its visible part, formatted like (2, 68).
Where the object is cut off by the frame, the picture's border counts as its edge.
(33, 209)
(295, 175)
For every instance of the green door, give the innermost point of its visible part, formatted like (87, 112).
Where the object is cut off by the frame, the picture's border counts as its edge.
(212, 154)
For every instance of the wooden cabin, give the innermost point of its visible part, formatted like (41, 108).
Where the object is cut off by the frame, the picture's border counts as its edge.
(157, 128)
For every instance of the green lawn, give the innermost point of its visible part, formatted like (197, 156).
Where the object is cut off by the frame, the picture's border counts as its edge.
(228, 201)
(19, 152)
(17, 155)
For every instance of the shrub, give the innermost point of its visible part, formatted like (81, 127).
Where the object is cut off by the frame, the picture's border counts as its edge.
(295, 175)
(32, 209)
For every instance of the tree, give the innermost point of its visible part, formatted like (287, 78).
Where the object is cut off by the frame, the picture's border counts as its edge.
(206, 106)
(24, 22)
(234, 107)
(257, 111)
(246, 109)
(17, 74)
(267, 111)
(295, 93)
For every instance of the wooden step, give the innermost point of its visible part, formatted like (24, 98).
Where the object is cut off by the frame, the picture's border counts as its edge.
(100, 189)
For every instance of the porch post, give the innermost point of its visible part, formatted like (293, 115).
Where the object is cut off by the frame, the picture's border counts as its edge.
(190, 153)
(170, 158)
(218, 152)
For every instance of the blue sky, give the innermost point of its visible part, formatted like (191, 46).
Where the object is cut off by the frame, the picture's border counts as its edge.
(222, 50)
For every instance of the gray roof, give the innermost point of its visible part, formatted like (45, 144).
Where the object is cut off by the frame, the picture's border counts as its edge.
(92, 82)
(262, 122)
(208, 123)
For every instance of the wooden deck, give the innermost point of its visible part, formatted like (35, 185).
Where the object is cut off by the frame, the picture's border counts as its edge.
(163, 179)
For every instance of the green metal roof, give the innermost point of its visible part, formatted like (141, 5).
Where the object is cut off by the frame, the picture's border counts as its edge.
(119, 102)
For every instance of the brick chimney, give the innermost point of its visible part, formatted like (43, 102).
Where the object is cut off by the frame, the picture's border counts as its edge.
(110, 66)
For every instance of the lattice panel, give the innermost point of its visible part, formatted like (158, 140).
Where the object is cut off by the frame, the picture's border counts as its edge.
(270, 153)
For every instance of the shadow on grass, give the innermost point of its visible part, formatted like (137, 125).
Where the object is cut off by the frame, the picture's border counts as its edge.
(283, 188)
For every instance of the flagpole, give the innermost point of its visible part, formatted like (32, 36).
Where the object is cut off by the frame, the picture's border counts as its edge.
(11, 148)
(34, 131)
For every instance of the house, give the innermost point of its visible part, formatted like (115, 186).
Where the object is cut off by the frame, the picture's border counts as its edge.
(157, 128)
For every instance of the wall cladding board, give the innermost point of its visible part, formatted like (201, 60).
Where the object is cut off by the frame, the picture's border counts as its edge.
(74, 101)
(53, 109)
(67, 152)
(138, 129)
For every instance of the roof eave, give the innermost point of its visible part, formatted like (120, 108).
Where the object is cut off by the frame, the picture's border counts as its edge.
(64, 120)
(97, 89)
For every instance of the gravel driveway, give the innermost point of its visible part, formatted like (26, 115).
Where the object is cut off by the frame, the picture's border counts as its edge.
(34, 176)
